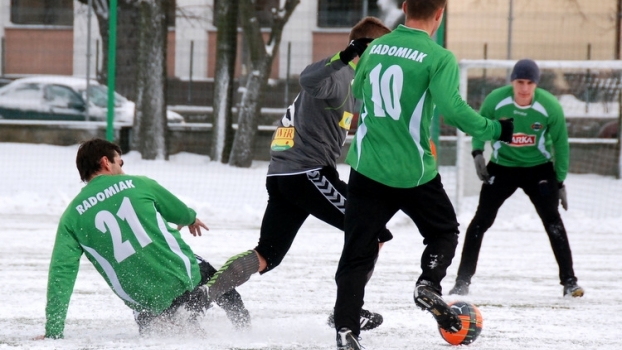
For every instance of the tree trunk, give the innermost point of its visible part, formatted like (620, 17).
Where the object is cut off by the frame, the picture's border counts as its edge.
(141, 67)
(128, 37)
(128, 19)
(261, 57)
(149, 132)
(226, 52)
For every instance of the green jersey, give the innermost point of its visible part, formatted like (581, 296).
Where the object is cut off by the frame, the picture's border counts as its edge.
(400, 78)
(540, 133)
(121, 223)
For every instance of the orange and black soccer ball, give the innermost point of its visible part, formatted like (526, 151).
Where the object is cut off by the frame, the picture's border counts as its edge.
(471, 324)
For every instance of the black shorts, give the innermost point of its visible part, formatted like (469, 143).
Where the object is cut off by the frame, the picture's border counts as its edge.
(292, 198)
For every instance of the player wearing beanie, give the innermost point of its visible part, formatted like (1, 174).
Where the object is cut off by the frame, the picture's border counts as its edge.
(536, 161)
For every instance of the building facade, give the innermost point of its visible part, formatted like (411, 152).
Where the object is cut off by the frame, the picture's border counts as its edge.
(51, 37)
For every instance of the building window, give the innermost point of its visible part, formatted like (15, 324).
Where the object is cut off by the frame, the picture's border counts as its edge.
(343, 13)
(263, 12)
(171, 12)
(46, 12)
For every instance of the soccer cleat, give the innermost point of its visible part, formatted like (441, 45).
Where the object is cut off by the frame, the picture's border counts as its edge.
(198, 300)
(194, 304)
(429, 300)
(572, 289)
(144, 320)
(240, 318)
(460, 288)
(369, 320)
(347, 341)
(149, 323)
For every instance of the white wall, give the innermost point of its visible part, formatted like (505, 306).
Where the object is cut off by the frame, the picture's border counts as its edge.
(80, 36)
(5, 20)
(192, 25)
(298, 31)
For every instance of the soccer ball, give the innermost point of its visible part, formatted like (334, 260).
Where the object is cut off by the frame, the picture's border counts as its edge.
(471, 324)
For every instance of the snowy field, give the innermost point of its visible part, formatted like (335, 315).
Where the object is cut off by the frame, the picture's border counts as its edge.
(516, 287)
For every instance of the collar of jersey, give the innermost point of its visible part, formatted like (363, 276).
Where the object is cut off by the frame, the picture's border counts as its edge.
(410, 29)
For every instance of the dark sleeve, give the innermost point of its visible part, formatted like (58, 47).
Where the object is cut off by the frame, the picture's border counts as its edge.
(317, 78)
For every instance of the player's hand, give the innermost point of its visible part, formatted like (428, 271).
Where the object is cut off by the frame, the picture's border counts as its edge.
(507, 130)
(563, 196)
(480, 165)
(39, 337)
(355, 48)
(195, 229)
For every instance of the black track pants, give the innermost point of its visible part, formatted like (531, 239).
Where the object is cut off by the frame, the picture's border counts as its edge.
(370, 206)
(540, 185)
(292, 198)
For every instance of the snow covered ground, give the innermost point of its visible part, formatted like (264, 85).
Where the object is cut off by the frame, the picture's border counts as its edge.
(516, 287)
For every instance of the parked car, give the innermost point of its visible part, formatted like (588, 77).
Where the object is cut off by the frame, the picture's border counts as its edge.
(64, 98)
(4, 81)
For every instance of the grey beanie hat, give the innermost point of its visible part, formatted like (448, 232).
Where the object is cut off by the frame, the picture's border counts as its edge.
(526, 69)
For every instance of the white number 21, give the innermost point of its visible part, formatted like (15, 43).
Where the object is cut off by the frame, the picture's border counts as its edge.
(106, 221)
(387, 90)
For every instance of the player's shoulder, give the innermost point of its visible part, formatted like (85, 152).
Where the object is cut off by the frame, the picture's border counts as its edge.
(542, 94)
(548, 100)
(499, 93)
(141, 178)
(65, 217)
(143, 182)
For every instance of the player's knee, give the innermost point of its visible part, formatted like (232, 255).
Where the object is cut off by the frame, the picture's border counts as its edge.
(482, 223)
(556, 229)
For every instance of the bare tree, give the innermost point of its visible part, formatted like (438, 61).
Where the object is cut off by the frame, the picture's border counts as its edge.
(128, 14)
(226, 52)
(149, 132)
(140, 66)
(261, 57)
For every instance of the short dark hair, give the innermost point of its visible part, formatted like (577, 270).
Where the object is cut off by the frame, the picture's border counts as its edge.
(423, 9)
(90, 153)
(368, 27)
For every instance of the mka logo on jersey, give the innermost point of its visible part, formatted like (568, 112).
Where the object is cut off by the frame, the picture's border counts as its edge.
(520, 140)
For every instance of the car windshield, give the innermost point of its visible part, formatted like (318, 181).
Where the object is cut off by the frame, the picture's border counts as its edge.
(98, 95)
(31, 91)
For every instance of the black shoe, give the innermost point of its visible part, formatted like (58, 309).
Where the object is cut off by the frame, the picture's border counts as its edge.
(198, 301)
(429, 300)
(241, 319)
(149, 323)
(347, 341)
(460, 288)
(572, 289)
(369, 320)
(144, 320)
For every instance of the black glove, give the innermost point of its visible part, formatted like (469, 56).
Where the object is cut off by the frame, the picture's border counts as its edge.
(480, 165)
(355, 48)
(507, 130)
(563, 197)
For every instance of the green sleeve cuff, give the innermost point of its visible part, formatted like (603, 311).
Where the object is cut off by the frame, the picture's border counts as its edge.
(334, 58)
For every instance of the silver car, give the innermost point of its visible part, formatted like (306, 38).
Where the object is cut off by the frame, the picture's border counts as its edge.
(63, 98)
